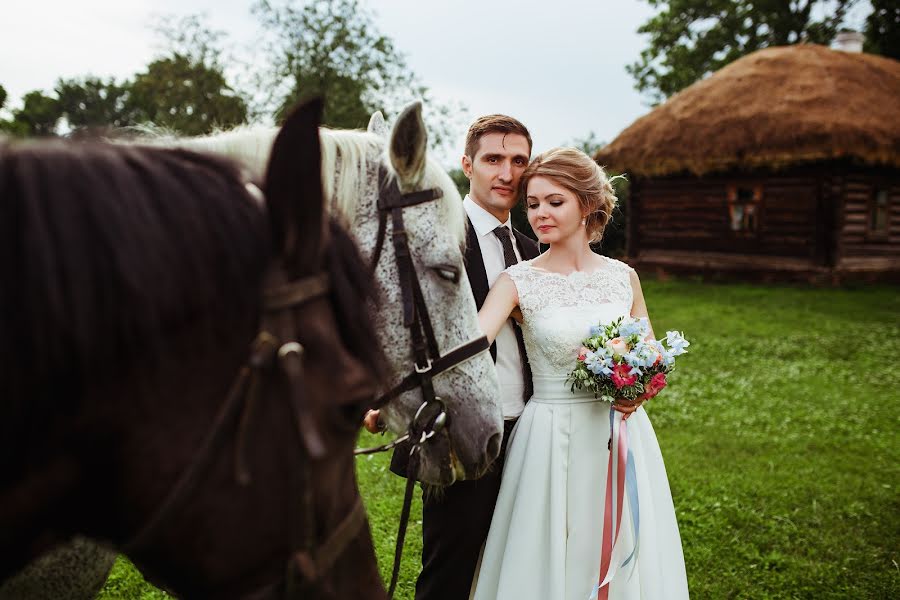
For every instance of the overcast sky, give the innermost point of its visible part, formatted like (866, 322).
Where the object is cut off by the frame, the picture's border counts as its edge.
(558, 65)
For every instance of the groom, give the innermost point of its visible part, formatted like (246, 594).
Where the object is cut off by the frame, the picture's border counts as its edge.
(455, 523)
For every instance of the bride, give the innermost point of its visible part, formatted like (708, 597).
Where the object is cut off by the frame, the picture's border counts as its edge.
(545, 536)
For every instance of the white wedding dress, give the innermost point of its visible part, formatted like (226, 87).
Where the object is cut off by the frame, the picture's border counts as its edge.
(545, 536)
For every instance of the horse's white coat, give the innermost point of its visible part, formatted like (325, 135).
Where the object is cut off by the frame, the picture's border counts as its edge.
(437, 233)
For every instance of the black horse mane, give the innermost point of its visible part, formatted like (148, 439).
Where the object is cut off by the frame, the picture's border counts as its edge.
(107, 249)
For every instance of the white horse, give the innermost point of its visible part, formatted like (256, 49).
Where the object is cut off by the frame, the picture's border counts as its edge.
(351, 162)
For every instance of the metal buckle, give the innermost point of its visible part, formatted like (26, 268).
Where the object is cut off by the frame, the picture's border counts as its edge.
(290, 347)
(423, 370)
(437, 423)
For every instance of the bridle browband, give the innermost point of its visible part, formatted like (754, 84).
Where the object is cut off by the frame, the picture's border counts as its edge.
(428, 362)
(274, 350)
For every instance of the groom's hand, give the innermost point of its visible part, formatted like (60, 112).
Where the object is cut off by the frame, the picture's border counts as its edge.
(372, 423)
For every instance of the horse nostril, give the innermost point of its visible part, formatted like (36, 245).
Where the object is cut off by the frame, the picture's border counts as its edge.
(492, 450)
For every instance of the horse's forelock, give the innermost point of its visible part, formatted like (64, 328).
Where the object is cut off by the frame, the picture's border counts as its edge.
(349, 158)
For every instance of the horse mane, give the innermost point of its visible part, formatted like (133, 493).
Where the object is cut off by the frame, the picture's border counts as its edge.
(348, 159)
(105, 251)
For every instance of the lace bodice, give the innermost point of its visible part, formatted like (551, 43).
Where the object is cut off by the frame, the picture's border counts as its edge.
(558, 310)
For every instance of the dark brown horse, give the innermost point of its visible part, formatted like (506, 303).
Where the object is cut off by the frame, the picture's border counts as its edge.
(154, 397)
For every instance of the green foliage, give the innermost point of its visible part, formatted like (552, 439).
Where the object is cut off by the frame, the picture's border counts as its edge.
(883, 29)
(779, 439)
(126, 583)
(184, 91)
(462, 182)
(690, 39)
(186, 96)
(191, 37)
(2, 96)
(94, 103)
(38, 116)
(589, 144)
(333, 48)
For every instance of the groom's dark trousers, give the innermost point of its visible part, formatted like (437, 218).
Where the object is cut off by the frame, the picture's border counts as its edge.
(455, 520)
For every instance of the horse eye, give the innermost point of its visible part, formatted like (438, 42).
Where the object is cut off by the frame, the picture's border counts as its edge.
(447, 273)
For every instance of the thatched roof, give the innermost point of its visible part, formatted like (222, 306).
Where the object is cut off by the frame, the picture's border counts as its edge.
(775, 107)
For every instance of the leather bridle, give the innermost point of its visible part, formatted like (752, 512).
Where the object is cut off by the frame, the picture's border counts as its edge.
(275, 352)
(428, 362)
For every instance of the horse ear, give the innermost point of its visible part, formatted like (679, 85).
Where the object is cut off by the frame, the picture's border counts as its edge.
(377, 125)
(407, 146)
(293, 189)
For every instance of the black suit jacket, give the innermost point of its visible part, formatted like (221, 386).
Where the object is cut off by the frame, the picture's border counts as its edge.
(478, 281)
(528, 249)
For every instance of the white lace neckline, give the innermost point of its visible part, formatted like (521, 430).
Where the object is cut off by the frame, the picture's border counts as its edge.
(571, 274)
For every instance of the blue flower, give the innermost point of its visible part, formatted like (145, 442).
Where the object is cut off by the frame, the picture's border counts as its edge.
(676, 342)
(597, 364)
(629, 329)
(639, 327)
(667, 359)
(595, 331)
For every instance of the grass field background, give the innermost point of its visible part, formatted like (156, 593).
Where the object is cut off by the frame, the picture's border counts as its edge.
(780, 436)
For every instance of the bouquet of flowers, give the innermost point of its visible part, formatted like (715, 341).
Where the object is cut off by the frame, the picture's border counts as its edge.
(616, 361)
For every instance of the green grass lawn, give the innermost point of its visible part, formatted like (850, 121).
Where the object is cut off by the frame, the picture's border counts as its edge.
(780, 435)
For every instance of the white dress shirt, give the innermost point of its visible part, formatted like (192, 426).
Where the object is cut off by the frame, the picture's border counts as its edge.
(509, 361)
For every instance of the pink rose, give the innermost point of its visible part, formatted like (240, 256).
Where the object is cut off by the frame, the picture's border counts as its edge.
(582, 353)
(620, 376)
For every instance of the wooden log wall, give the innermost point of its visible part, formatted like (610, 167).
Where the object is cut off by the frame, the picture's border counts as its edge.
(689, 213)
(857, 243)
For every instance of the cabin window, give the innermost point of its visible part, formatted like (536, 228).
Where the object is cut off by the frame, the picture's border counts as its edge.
(879, 213)
(744, 208)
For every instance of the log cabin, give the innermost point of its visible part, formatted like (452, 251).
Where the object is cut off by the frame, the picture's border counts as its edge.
(783, 165)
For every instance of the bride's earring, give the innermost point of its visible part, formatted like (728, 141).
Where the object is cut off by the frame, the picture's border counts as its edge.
(583, 221)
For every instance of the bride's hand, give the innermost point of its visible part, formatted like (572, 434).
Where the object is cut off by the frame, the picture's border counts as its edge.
(626, 407)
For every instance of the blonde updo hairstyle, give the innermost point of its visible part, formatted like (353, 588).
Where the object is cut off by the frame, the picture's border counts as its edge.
(578, 173)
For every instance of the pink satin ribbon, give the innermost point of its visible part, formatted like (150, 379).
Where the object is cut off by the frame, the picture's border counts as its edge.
(610, 536)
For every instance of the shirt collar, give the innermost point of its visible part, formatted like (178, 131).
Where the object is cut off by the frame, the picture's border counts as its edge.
(483, 221)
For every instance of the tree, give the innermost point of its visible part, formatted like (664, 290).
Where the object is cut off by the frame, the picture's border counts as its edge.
(334, 49)
(5, 126)
(185, 89)
(589, 144)
(38, 116)
(883, 29)
(691, 38)
(185, 95)
(93, 103)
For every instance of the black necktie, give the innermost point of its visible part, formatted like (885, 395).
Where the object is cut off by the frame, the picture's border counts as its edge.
(505, 237)
(509, 257)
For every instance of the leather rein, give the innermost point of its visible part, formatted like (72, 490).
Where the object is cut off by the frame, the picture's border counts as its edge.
(428, 362)
(274, 352)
